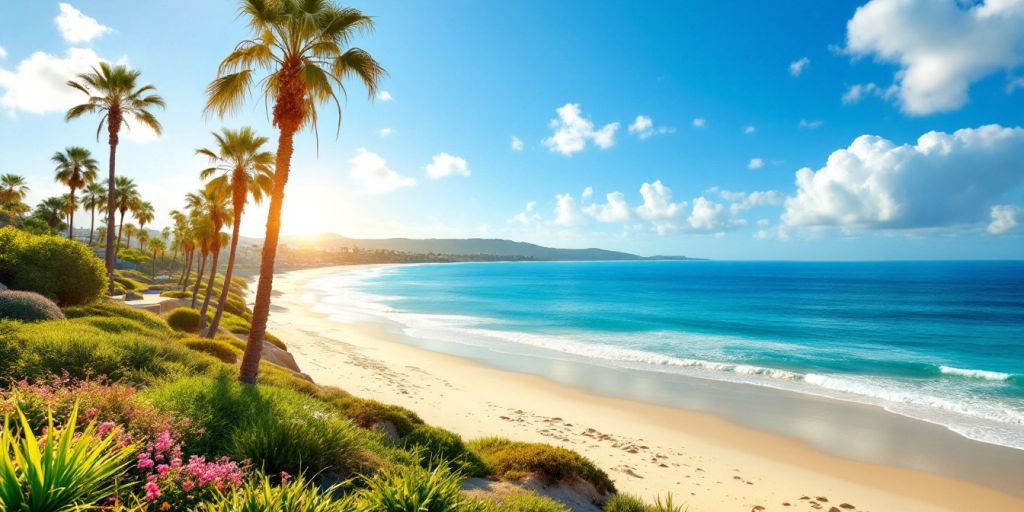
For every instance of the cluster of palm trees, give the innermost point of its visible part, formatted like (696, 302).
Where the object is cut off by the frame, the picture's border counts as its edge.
(298, 57)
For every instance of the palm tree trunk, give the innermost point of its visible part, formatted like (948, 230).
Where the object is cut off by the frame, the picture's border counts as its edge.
(237, 224)
(154, 265)
(186, 270)
(199, 278)
(209, 287)
(71, 216)
(110, 256)
(92, 223)
(119, 227)
(261, 309)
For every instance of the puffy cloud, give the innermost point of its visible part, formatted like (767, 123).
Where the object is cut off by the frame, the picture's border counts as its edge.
(445, 165)
(755, 163)
(709, 217)
(39, 83)
(1004, 218)
(810, 124)
(386, 132)
(76, 27)
(742, 202)
(858, 91)
(658, 207)
(528, 216)
(750, 129)
(385, 97)
(572, 131)
(943, 180)
(373, 172)
(587, 192)
(797, 67)
(699, 122)
(615, 210)
(941, 47)
(567, 213)
(517, 143)
(3, 53)
(643, 127)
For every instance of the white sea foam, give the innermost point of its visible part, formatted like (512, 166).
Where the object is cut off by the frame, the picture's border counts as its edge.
(976, 374)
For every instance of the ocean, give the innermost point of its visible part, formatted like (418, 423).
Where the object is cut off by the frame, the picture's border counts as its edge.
(941, 342)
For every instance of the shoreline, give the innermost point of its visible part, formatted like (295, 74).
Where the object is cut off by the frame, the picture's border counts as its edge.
(708, 461)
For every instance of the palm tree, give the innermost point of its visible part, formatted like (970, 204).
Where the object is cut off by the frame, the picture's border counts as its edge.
(112, 93)
(156, 247)
(76, 168)
(126, 197)
(242, 168)
(143, 239)
(178, 232)
(51, 211)
(129, 231)
(13, 190)
(93, 196)
(143, 212)
(302, 47)
(210, 203)
(202, 230)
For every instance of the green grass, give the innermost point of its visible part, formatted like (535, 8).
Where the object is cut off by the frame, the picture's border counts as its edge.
(437, 444)
(411, 489)
(183, 319)
(260, 494)
(116, 309)
(514, 460)
(216, 348)
(515, 501)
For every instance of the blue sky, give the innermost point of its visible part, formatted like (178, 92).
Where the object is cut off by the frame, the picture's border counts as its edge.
(729, 117)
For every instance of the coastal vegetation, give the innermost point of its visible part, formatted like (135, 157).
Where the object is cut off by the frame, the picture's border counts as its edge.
(107, 406)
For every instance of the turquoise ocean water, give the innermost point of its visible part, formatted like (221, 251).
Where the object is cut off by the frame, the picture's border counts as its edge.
(937, 341)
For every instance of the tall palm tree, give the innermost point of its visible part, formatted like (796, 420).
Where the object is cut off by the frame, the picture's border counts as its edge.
(143, 212)
(126, 197)
(178, 232)
(52, 211)
(113, 93)
(143, 239)
(241, 168)
(156, 247)
(302, 48)
(202, 230)
(13, 191)
(76, 168)
(93, 196)
(129, 231)
(211, 203)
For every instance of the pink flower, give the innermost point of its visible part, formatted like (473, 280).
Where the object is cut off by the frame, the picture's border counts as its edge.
(152, 491)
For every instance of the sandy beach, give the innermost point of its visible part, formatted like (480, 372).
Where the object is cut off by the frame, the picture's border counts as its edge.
(703, 459)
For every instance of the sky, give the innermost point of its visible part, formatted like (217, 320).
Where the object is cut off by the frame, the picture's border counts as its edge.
(887, 129)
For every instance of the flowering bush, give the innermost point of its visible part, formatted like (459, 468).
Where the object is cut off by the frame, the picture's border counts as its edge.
(175, 484)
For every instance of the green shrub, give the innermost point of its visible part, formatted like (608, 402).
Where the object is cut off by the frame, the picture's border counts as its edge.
(176, 294)
(60, 269)
(275, 340)
(277, 429)
(233, 323)
(42, 350)
(513, 460)
(294, 495)
(440, 444)
(184, 319)
(215, 348)
(411, 489)
(624, 503)
(62, 470)
(370, 413)
(117, 309)
(128, 283)
(666, 505)
(28, 307)
(515, 501)
(135, 275)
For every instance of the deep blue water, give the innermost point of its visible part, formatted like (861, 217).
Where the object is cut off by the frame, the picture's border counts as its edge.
(938, 341)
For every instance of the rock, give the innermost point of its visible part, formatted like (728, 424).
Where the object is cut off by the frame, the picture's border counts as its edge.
(388, 429)
(847, 506)
(834, 509)
(577, 496)
(3, 288)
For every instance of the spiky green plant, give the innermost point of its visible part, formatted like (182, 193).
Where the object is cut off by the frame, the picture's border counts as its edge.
(292, 495)
(411, 489)
(61, 470)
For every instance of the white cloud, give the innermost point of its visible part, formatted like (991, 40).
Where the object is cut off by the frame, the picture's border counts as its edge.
(76, 27)
(386, 132)
(528, 216)
(1004, 218)
(755, 163)
(137, 132)
(943, 180)
(699, 122)
(643, 127)
(810, 124)
(797, 67)
(567, 213)
(750, 129)
(941, 47)
(373, 172)
(3, 53)
(858, 91)
(587, 193)
(39, 83)
(615, 210)
(742, 202)
(708, 216)
(445, 165)
(658, 207)
(385, 97)
(517, 143)
(572, 131)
